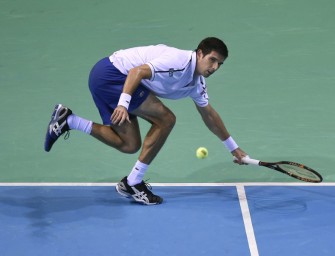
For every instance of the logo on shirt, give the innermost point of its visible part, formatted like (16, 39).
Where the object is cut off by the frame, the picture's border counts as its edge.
(204, 92)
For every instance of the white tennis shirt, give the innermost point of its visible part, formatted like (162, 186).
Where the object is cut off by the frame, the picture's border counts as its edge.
(172, 71)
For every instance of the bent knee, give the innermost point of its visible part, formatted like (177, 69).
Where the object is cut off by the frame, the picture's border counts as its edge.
(130, 147)
(169, 120)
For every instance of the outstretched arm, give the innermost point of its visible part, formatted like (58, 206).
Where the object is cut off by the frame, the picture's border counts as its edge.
(215, 124)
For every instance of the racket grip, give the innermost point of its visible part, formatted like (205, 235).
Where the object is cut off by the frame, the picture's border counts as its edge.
(248, 160)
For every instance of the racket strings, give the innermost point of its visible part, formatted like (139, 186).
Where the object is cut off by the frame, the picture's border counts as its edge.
(299, 171)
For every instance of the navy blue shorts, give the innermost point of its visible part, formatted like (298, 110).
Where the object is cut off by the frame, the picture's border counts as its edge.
(106, 84)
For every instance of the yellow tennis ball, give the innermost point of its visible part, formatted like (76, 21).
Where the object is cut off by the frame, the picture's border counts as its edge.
(202, 153)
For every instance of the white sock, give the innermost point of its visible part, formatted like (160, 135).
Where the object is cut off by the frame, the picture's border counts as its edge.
(137, 173)
(80, 124)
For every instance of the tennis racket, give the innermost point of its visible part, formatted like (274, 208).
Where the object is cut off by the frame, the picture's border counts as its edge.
(295, 170)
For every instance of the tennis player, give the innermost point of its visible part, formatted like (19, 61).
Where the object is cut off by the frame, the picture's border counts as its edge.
(128, 85)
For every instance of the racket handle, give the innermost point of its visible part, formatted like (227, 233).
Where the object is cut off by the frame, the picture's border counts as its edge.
(248, 160)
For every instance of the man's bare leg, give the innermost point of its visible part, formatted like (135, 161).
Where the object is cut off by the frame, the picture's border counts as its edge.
(125, 138)
(162, 121)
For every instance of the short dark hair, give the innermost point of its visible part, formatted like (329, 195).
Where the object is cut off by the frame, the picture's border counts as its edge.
(213, 44)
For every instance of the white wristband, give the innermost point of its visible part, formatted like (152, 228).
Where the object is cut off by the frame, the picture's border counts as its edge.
(230, 144)
(124, 100)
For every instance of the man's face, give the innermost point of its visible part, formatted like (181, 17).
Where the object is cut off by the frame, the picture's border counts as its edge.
(208, 64)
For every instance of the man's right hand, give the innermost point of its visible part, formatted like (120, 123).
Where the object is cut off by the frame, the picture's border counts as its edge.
(120, 115)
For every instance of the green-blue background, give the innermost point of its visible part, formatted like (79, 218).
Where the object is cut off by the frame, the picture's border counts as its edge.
(275, 92)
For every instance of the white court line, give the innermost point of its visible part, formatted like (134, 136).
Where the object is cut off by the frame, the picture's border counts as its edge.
(239, 186)
(247, 220)
(106, 184)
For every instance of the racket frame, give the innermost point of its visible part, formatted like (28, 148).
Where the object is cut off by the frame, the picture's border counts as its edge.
(276, 166)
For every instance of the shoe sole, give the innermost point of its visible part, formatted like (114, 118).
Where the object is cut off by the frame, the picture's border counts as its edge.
(129, 196)
(49, 140)
(145, 203)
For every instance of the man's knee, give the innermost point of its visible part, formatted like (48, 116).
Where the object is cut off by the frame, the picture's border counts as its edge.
(169, 120)
(130, 147)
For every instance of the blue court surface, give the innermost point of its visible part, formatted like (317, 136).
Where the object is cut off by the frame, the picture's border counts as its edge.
(275, 94)
(195, 219)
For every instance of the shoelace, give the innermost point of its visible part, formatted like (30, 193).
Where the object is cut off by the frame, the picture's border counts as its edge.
(66, 135)
(147, 185)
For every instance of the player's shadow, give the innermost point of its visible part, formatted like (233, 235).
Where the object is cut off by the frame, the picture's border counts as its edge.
(45, 207)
